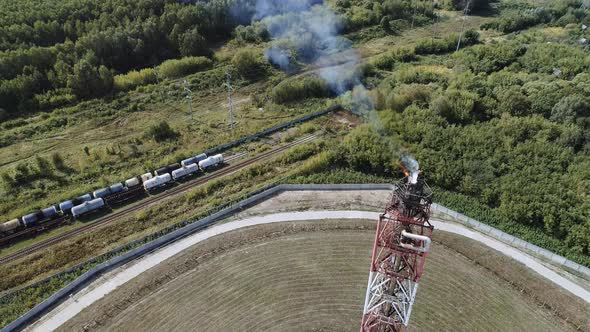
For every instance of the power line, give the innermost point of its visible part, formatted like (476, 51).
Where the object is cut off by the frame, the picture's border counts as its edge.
(465, 11)
(189, 97)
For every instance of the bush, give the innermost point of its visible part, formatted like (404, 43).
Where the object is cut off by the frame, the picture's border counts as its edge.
(182, 67)
(456, 106)
(449, 44)
(423, 74)
(162, 132)
(248, 63)
(254, 33)
(388, 60)
(300, 89)
(519, 20)
(406, 95)
(367, 151)
(55, 98)
(133, 79)
(545, 58)
(58, 161)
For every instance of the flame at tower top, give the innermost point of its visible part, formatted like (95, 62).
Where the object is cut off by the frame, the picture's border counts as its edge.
(413, 168)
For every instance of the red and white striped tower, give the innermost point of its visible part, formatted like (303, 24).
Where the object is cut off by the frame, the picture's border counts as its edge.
(402, 241)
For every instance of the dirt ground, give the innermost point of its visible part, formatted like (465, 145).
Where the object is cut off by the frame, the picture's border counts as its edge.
(310, 276)
(287, 201)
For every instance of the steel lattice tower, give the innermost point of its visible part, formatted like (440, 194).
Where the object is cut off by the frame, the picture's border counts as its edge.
(402, 241)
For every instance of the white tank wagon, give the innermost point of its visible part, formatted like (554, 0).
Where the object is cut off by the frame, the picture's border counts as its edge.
(9, 226)
(157, 181)
(130, 183)
(146, 176)
(185, 171)
(86, 207)
(211, 161)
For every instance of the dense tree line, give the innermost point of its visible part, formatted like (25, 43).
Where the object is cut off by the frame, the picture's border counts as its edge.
(60, 50)
(495, 123)
(520, 16)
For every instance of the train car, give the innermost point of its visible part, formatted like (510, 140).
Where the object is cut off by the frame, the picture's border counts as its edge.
(185, 171)
(66, 206)
(32, 219)
(146, 176)
(131, 189)
(168, 169)
(88, 207)
(133, 182)
(157, 182)
(211, 161)
(194, 160)
(49, 213)
(108, 191)
(10, 227)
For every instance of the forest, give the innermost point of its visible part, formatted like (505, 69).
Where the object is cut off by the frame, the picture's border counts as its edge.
(491, 97)
(502, 124)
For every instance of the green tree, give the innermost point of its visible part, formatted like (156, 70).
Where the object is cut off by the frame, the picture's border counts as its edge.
(514, 102)
(193, 43)
(572, 109)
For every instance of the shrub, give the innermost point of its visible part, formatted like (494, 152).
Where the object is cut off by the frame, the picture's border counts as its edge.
(456, 106)
(449, 44)
(254, 33)
(248, 63)
(367, 151)
(300, 89)
(388, 60)
(55, 98)
(545, 58)
(162, 132)
(520, 20)
(181, 67)
(58, 161)
(405, 95)
(134, 78)
(423, 74)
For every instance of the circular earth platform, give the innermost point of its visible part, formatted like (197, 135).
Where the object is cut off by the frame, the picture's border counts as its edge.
(305, 277)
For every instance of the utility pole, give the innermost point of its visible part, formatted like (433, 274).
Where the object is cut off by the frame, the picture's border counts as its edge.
(156, 73)
(189, 97)
(435, 20)
(414, 13)
(230, 89)
(465, 11)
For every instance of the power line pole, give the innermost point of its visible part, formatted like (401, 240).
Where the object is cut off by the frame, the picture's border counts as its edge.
(465, 11)
(414, 13)
(230, 89)
(435, 20)
(189, 97)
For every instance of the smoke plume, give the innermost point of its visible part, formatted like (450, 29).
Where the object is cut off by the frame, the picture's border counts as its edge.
(412, 166)
(308, 31)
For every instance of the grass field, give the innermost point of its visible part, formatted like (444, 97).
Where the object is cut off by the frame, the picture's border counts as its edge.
(306, 281)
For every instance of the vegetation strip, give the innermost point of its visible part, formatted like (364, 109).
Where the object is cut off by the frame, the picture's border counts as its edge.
(169, 193)
(217, 149)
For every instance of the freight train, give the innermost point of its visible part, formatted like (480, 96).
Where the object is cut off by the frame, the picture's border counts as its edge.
(102, 198)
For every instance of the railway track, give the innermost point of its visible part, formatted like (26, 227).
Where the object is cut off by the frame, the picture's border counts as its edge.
(153, 199)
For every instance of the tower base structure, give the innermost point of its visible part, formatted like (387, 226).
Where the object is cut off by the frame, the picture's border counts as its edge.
(402, 242)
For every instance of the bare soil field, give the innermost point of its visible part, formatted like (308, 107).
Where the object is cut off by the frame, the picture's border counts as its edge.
(311, 276)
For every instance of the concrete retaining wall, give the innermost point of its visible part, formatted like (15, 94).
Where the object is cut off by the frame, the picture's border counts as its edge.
(513, 241)
(113, 263)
